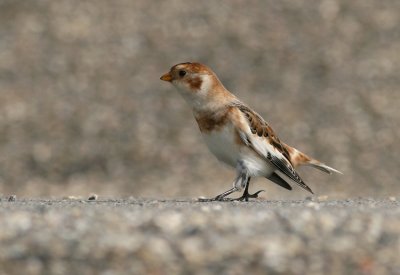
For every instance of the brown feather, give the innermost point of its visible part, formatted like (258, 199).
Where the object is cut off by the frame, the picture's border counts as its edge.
(194, 67)
(195, 83)
(209, 122)
(260, 127)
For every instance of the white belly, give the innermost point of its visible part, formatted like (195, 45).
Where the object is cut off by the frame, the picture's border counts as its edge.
(222, 144)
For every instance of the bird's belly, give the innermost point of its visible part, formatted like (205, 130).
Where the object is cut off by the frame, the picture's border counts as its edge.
(222, 144)
(257, 166)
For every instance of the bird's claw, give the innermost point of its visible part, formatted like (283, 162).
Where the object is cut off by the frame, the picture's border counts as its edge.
(217, 198)
(245, 197)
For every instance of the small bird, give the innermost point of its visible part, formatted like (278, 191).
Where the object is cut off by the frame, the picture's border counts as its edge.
(236, 134)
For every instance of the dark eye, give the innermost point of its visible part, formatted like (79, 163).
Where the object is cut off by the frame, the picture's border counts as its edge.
(182, 73)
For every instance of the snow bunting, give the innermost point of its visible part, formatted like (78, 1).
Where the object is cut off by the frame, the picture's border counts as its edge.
(236, 134)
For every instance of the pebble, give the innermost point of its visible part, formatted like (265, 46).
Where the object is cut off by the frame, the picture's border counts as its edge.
(93, 197)
(12, 198)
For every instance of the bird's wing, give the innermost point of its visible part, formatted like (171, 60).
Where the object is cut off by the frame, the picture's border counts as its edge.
(280, 181)
(260, 137)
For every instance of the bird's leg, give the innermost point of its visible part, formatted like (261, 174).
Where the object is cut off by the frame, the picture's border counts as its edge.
(221, 197)
(242, 181)
(246, 195)
(238, 185)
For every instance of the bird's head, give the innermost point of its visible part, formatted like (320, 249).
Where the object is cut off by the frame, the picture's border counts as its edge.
(198, 85)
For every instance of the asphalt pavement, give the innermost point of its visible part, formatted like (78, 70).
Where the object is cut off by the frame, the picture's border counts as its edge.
(153, 236)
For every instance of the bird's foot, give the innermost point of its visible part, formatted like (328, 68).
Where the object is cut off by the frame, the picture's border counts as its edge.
(217, 198)
(221, 197)
(246, 196)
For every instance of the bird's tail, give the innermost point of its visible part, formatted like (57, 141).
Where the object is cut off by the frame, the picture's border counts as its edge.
(322, 166)
(298, 158)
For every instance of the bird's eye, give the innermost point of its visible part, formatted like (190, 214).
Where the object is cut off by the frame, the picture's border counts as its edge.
(182, 73)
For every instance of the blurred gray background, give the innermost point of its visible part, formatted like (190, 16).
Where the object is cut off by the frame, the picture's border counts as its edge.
(82, 108)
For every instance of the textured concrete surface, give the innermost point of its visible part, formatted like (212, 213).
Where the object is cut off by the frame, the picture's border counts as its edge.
(82, 108)
(143, 236)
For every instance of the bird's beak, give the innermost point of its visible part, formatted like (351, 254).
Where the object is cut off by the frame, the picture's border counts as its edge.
(166, 77)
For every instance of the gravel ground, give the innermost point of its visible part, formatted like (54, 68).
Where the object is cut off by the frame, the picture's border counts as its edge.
(144, 236)
(82, 108)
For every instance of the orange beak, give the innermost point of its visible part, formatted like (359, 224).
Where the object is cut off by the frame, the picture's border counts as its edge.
(166, 77)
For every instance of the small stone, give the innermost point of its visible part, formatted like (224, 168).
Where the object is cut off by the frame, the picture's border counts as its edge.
(12, 198)
(70, 198)
(392, 198)
(313, 205)
(93, 197)
(322, 198)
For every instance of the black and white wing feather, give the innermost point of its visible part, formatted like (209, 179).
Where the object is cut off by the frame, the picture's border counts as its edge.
(259, 136)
